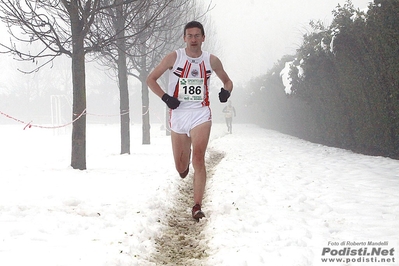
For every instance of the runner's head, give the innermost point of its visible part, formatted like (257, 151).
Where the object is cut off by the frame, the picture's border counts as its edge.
(194, 24)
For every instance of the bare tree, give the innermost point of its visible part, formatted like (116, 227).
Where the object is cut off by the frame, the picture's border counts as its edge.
(155, 42)
(162, 36)
(62, 27)
(130, 23)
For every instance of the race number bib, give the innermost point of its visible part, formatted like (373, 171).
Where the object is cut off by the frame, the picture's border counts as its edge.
(191, 89)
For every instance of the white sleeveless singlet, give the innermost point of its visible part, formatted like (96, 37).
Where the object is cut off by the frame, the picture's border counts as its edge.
(189, 80)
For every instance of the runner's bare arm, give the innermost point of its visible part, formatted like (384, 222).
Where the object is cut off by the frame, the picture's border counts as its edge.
(217, 66)
(166, 63)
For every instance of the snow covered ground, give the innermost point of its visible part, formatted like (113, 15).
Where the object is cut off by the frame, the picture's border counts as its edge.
(271, 199)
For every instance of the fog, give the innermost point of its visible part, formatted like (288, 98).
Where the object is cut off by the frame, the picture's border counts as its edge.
(248, 36)
(254, 34)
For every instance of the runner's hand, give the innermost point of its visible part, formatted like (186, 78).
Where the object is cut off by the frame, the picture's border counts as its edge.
(171, 102)
(223, 95)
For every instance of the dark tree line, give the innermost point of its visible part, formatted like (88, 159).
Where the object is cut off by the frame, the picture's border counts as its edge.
(344, 82)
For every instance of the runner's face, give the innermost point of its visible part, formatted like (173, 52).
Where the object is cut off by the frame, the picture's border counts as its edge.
(194, 37)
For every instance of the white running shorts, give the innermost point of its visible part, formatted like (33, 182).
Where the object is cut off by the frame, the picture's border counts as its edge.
(183, 120)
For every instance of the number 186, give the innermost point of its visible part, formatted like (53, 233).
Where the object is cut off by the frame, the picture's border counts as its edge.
(192, 90)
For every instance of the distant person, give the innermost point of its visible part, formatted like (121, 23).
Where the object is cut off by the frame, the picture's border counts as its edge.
(187, 96)
(229, 111)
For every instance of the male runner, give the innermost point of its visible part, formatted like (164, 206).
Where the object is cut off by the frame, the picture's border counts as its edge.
(229, 111)
(187, 96)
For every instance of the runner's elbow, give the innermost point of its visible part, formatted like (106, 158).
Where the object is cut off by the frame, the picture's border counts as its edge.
(150, 80)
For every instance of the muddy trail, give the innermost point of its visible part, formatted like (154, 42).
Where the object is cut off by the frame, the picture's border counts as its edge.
(182, 241)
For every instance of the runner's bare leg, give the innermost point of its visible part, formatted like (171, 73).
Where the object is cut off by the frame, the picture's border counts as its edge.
(181, 146)
(199, 139)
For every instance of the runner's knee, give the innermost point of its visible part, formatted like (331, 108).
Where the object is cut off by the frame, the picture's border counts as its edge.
(198, 160)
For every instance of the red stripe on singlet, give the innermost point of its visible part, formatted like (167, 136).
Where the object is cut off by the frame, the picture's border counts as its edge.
(203, 75)
(184, 74)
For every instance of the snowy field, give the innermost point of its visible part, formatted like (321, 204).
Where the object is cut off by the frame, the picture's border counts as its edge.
(271, 199)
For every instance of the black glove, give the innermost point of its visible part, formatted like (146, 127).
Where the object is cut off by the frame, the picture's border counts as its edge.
(171, 102)
(223, 95)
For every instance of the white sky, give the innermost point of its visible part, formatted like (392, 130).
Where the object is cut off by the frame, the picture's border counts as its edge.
(254, 34)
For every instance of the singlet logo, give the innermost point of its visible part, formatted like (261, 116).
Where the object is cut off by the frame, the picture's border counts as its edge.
(194, 73)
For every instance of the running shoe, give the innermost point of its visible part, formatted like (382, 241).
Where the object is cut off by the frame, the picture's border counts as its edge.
(197, 213)
(185, 173)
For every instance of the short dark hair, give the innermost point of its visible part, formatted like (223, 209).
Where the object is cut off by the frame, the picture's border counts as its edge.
(194, 24)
